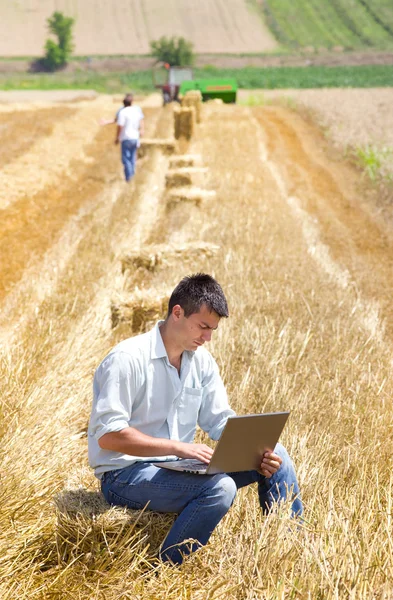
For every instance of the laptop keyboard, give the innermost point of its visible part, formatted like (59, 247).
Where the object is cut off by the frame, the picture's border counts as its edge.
(192, 463)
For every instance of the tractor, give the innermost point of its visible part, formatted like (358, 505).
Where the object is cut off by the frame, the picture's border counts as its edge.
(174, 82)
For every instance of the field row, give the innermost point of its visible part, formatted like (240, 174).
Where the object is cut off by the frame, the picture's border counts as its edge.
(338, 23)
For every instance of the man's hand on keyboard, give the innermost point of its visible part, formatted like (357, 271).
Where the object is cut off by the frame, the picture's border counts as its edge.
(198, 451)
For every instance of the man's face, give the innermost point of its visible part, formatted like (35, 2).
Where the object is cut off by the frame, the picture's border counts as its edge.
(197, 329)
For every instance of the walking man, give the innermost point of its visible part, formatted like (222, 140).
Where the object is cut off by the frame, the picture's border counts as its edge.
(130, 127)
(150, 393)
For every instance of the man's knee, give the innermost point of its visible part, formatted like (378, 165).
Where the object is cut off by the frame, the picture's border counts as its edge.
(286, 472)
(283, 454)
(223, 490)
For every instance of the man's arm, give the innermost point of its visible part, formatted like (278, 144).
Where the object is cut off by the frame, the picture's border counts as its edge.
(134, 442)
(118, 132)
(104, 122)
(142, 128)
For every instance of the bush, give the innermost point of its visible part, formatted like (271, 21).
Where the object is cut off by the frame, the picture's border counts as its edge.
(54, 56)
(57, 55)
(175, 50)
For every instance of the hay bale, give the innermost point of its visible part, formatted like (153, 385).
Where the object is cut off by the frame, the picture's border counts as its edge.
(160, 255)
(183, 176)
(193, 195)
(140, 310)
(184, 122)
(143, 259)
(88, 527)
(193, 98)
(166, 146)
(185, 160)
(177, 177)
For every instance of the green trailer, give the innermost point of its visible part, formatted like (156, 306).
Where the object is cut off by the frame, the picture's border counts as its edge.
(225, 89)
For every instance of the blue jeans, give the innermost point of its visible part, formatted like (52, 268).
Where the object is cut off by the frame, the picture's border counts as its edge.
(128, 157)
(201, 501)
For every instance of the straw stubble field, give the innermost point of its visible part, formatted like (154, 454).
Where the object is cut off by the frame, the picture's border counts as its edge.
(308, 277)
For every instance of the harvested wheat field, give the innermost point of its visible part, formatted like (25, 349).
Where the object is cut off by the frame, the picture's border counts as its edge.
(307, 267)
(127, 27)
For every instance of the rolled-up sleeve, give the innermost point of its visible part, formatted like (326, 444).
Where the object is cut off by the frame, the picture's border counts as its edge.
(215, 409)
(112, 402)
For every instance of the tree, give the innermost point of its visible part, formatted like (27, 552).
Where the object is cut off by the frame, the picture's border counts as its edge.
(57, 55)
(175, 51)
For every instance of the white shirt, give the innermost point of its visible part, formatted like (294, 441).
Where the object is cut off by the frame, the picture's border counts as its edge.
(129, 118)
(136, 386)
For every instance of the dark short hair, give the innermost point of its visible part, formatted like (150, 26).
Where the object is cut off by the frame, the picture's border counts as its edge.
(198, 289)
(128, 98)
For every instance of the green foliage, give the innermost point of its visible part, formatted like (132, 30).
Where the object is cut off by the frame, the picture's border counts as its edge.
(57, 55)
(371, 159)
(318, 25)
(248, 78)
(54, 56)
(306, 77)
(175, 51)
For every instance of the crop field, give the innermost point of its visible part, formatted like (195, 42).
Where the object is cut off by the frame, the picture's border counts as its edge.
(306, 264)
(354, 120)
(339, 24)
(127, 26)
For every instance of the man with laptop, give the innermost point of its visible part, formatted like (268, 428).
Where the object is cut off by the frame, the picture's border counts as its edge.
(150, 393)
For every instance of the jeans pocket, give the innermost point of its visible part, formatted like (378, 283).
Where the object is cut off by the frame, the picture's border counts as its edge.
(123, 501)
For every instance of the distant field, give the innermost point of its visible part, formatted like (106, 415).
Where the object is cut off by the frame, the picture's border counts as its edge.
(127, 26)
(362, 76)
(347, 24)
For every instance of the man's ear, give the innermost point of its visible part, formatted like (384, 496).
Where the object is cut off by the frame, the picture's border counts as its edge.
(177, 312)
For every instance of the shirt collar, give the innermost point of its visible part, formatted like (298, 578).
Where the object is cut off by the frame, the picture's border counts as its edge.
(157, 345)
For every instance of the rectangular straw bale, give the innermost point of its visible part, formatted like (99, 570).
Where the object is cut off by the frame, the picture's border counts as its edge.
(144, 259)
(185, 176)
(193, 98)
(158, 255)
(184, 122)
(177, 177)
(193, 195)
(87, 526)
(184, 160)
(140, 310)
(166, 146)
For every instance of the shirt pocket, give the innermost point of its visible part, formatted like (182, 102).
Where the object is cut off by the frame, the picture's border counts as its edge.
(189, 406)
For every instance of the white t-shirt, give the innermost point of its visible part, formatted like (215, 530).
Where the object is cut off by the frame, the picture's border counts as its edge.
(129, 118)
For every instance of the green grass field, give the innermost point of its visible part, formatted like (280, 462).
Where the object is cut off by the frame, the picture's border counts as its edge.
(250, 78)
(354, 24)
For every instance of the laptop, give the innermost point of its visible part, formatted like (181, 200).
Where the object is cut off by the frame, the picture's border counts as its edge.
(241, 446)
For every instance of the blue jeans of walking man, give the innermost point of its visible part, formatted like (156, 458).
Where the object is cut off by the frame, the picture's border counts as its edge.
(200, 500)
(128, 157)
